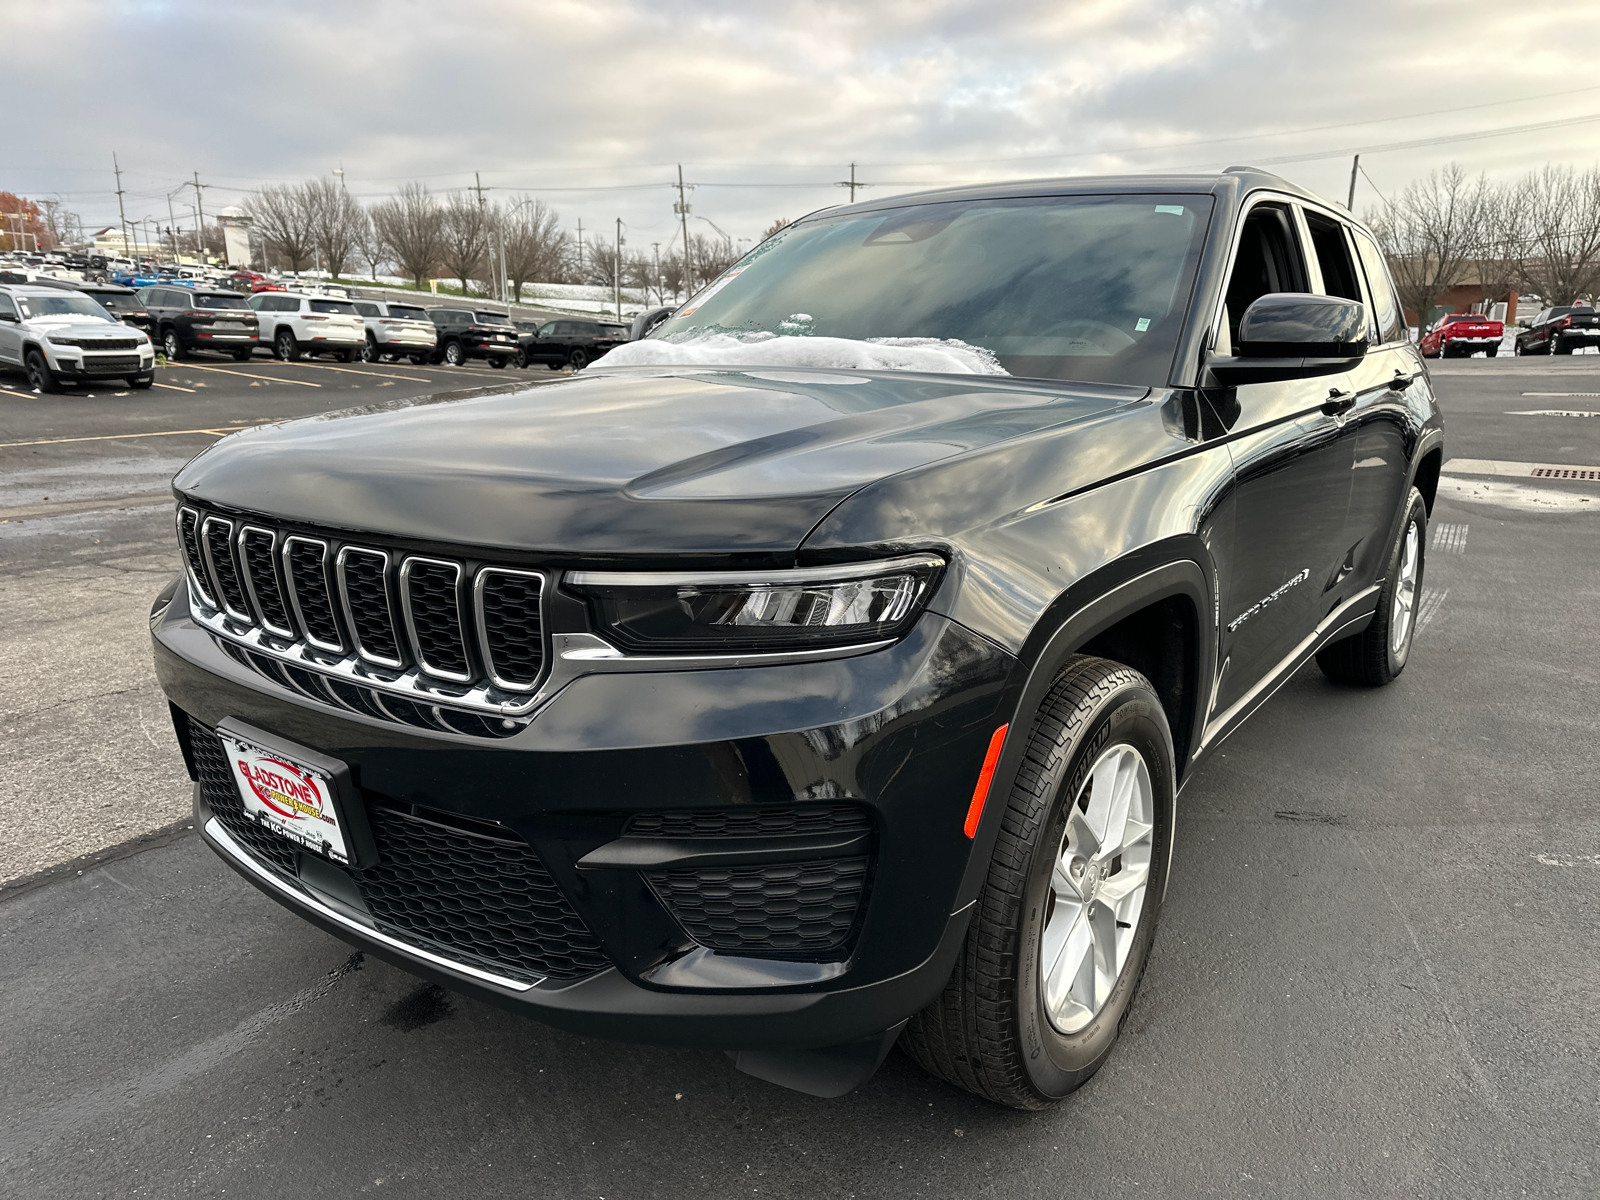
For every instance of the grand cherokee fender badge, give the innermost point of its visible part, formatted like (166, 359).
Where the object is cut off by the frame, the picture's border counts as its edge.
(1234, 624)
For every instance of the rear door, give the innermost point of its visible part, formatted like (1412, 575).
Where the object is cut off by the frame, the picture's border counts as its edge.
(1292, 468)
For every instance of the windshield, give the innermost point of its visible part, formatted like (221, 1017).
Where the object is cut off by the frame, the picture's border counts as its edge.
(61, 306)
(1092, 288)
(342, 307)
(201, 300)
(492, 318)
(408, 312)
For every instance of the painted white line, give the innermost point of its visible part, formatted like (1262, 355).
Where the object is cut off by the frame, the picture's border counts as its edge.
(117, 437)
(249, 375)
(1553, 412)
(1449, 538)
(1561, 393)
(354, 371)
(172, 387)
(1520, 470)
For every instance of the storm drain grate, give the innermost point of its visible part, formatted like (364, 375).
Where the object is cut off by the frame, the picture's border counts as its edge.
(1565, 473)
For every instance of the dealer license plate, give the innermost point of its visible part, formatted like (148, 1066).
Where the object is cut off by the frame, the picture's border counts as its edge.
(289, 798)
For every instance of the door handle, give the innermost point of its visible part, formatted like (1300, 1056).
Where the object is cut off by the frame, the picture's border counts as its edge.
(1400, 382)
(1338, 402)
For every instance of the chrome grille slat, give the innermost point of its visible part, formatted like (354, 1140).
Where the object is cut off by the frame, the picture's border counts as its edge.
(189, 540)
(430, 601)
(369, 614)
(305, 568)
(216, 547)
(510, 630)
(258, 562)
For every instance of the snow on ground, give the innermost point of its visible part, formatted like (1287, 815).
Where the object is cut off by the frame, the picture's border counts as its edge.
(775, 350)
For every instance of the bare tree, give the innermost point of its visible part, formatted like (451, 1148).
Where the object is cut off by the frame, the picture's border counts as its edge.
(368, 244)
(599, 262)
(711, 258)
(410, 229)
(776, 228)
(336, 222)
(534, 244)
(1559, 242)
(1430, 232)
(285, 221)
(1496, 257)
(464, 239)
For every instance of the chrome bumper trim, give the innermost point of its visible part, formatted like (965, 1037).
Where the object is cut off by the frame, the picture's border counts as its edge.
(232, 849)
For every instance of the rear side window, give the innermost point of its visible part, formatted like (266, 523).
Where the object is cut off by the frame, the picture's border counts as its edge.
(367, 310)
(1391, 321)
(1333, 256)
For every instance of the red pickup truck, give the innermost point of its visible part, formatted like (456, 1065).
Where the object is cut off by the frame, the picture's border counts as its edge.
(1463, 335)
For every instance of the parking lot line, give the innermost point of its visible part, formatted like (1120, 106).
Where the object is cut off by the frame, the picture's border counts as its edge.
(117, 437)
(353, 371)
(249, 375)
(172, 387)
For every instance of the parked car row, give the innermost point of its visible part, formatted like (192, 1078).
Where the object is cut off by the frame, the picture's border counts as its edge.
(1559, 330)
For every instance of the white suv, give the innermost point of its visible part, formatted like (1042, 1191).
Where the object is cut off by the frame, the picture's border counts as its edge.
(397, 329)
(58, 336)
(294, 324)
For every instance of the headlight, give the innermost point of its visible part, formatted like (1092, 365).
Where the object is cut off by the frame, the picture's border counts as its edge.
(809, 608)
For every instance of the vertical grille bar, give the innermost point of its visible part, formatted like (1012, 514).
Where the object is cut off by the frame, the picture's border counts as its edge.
(216, 544)
(259, 569)
(305, 567)
(189, 539)
(510, 633)
(430, 601)
(364, 592)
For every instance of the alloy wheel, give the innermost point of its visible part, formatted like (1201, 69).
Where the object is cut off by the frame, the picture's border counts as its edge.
(169, 344)
(1405, 592)
(1097, 888)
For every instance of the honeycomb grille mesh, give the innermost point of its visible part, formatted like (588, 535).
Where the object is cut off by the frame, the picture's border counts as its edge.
(255, 548)
(310, 582)
(781, 908)
(433, 592)
(219, 543)
(512, 627)
(797, 819)
(473, 894)
(367, 593)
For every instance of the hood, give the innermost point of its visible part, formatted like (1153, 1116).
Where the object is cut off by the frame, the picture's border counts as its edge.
(68, 325)
(630, 463)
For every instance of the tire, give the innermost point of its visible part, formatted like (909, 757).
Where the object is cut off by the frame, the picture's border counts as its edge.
(453, 354)
(40, 377)
(284, 347)
(1557, 346)
(1516, 348)
(172, 347)
(369, 350)
(577, 360)
(243, 355)
(1378, 654)
(498, 362)
(419, 360)
(345, 356)
(554, 366)
(144, 384)
(1492, 352)
(522, 359)
(989, 1031)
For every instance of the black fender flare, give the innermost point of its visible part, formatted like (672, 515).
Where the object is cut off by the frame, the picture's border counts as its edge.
(1037, 672)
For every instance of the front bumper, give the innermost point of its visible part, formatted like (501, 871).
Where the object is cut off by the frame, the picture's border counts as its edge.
(899, 733)
(97, 365)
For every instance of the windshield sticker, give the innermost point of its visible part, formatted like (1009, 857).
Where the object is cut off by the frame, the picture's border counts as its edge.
(1175, 209)
(1141, 324)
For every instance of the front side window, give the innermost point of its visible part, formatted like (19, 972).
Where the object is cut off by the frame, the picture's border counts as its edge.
(549, 329)
(6, 306)
(1267, 260)
(1094, 288)
(1386, 308)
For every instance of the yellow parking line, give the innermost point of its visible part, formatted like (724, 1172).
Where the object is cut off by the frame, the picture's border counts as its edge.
(248, 375)
(172, 387)
(117, 437)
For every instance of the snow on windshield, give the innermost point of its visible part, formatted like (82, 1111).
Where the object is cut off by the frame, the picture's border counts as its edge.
(938, 355)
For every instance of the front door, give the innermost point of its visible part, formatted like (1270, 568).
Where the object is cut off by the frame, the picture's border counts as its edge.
(10, 333)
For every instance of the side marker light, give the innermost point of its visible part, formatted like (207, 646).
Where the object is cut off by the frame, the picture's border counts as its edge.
(985, 778)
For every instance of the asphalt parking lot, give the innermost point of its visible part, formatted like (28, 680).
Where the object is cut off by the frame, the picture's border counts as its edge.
(1375, 974)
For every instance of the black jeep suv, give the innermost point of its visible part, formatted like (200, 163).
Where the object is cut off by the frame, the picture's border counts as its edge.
(570, 342)
(195, 318)
(830, 679)
(466, 333)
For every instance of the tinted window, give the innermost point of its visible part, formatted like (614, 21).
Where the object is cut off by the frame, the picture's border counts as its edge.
(202, 300)
(1267, 260)
(120, 303)
(1333, 256)
(1062, 287)
(342, 307)
(1391, 321)
(6, 306)
(409, 312)
(492, 318)
(367, 310)
(614, 331)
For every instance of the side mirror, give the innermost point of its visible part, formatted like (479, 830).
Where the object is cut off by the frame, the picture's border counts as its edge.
(1293, 335)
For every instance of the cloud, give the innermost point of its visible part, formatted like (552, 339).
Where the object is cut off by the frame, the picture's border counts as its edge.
(613, 93)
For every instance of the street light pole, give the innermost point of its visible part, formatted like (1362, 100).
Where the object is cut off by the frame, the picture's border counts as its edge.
(616, 272)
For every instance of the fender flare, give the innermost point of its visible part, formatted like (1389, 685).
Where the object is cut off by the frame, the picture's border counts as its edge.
(1182, 577)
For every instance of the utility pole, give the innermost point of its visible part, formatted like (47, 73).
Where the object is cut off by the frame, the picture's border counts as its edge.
(200, 219)
(655, 258)
(852, 184)
(580, 247)
(616, 273)
(683, 212)
(1350, 204)
(122, 212)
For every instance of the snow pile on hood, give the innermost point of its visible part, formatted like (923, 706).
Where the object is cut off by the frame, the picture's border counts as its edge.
(775, 350)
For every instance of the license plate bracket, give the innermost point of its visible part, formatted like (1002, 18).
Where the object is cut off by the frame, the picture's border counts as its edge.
(304, 797)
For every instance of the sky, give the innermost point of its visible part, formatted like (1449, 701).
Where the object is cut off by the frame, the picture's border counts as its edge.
(591, 106)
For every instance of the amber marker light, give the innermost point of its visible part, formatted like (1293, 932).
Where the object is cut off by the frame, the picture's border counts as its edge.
(985, 778)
